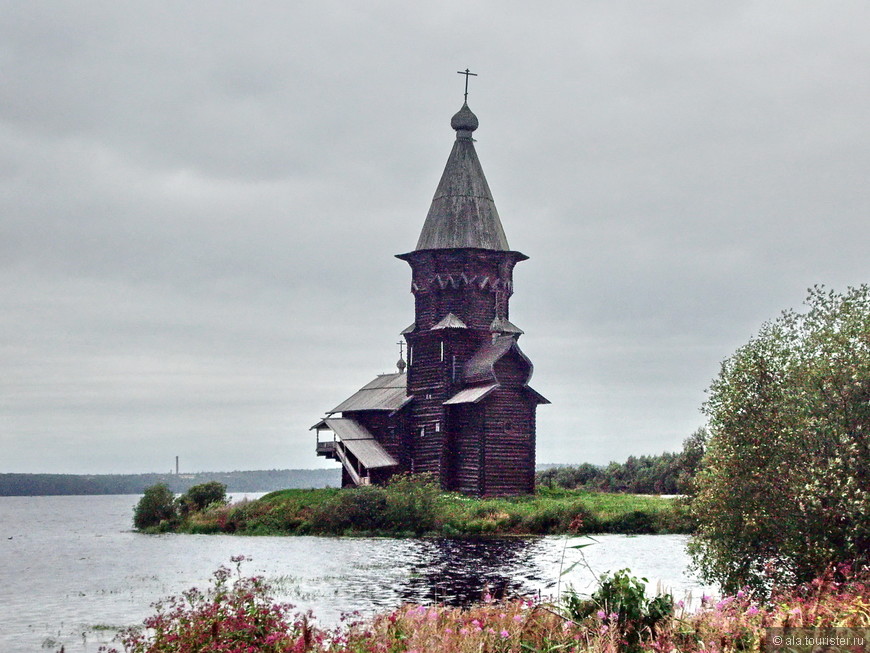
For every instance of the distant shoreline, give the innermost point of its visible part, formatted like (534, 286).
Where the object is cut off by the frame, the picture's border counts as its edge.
(44, 484)
(99, 484)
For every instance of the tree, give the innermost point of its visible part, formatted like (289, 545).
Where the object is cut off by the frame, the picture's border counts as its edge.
(156, 505)
(783, 494)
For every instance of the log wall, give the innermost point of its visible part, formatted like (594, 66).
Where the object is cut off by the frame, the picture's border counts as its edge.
(509, 443)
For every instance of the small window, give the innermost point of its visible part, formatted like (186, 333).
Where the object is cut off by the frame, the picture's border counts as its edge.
(437, 427)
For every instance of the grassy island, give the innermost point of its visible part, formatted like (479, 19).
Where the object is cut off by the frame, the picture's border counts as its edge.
(414, 505)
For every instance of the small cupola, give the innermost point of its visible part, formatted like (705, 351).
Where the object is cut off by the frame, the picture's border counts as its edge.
(464, 122)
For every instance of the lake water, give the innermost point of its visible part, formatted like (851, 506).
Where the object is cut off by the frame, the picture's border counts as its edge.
(72, 572)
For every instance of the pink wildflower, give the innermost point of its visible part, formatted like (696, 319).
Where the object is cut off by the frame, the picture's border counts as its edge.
(518, 618)
(505, 634)
(753, 610)
(602, 615)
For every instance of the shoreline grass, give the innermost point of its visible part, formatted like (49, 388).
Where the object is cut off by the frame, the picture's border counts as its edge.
(415, 507)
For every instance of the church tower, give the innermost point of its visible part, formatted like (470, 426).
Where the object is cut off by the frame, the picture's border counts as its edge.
(473, 410)
(465, 411)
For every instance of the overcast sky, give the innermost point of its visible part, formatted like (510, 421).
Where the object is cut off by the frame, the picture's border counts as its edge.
(200, 204)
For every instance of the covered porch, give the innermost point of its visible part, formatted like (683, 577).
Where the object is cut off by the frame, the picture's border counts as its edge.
(364, 460)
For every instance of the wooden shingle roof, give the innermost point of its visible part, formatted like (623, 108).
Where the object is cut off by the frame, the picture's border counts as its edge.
(463, 213)
(385, 392)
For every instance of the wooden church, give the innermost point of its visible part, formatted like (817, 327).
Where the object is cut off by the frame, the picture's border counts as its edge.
(461, 407)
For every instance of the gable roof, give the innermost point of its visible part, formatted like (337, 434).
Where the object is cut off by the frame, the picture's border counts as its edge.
(385, 392)
(450, 321)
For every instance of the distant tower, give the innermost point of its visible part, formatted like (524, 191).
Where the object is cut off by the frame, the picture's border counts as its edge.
(466, 413)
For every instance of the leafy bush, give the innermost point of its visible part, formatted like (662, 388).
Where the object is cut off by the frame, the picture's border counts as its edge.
(412, 502)
(621, 604)
(155, 508)
(201, 496)
(635, 522)
(357, 509)
(580, 519)
(547, 519)
(785, 489)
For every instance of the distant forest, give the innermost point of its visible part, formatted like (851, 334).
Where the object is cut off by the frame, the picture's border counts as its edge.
(239, 481)
(667, 473)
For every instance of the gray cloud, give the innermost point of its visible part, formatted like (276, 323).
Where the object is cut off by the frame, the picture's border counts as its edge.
(200, 204)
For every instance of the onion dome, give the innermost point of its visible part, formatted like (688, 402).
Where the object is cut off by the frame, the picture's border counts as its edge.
(464, 122)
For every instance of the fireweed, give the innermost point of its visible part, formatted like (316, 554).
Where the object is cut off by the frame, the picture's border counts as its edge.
(239, 615)
(235, 615)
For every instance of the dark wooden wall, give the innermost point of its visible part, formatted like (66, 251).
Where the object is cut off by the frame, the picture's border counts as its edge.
(509, 443)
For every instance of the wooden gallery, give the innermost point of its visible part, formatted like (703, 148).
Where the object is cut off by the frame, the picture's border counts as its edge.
(461, 408)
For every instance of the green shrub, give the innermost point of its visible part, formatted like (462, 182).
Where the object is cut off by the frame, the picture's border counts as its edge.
(545, 519)
(620, 603)
(636, 522)
(357, 509)
(578, 518)
(679, 519)
(412, 502)
(199, 497)
(156, 507)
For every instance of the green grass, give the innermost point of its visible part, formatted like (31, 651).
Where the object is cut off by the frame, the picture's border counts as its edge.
(419, 508)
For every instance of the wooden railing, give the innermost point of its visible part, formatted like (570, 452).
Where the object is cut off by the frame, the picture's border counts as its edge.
(325, 448)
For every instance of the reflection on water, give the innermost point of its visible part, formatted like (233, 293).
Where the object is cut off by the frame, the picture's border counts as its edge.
(460, 572)
(70, 567)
